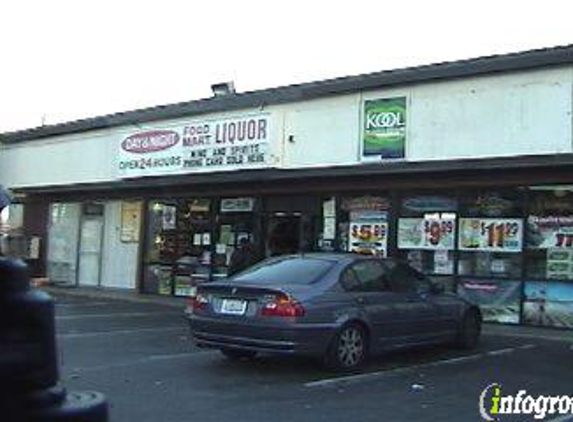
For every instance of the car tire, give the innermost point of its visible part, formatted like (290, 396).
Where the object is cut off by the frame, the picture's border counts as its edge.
(348, 350)
(470, 330)
(235, 354)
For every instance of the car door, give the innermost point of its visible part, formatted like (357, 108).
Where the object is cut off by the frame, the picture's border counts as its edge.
(366, 282)
(422, 314)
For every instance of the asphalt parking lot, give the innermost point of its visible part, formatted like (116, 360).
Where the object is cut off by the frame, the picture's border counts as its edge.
(140, 355)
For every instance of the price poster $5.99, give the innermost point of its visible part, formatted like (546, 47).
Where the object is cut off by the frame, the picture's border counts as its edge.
(368, 233)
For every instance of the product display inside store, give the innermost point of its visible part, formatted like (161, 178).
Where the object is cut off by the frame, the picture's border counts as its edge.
(179, 244)
(191, 240)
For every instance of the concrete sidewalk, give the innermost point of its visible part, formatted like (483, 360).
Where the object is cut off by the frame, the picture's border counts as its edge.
(116, 294)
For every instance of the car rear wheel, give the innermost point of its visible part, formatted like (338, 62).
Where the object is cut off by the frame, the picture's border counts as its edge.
(348, 349)
(235, 354)
(470, 330)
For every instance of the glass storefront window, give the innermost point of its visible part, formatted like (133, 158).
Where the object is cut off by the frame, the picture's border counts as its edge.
(179, 245)
(549, 233)
(490, 235)
(235, 227)
(427, 233)
(549, 256)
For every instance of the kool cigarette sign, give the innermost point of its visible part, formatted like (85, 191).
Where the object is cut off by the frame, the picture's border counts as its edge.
(384, 128)
(207, 145)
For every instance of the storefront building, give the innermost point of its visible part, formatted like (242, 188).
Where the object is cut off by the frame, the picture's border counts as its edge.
(464, 169)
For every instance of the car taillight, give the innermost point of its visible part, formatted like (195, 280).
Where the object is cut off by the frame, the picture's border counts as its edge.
(199, 302)
(283, 306)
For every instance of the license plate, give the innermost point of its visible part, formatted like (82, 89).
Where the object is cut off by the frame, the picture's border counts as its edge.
(234, 307)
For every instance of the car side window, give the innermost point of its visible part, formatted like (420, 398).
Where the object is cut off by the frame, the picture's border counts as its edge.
(402, 279)
(422, 282)
(365, 276)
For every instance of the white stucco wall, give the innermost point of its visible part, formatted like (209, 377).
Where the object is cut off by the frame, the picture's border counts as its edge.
(498, 115)
(512, 114)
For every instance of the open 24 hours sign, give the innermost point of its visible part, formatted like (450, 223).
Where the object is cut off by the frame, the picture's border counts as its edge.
(491, 234)
(200, 145)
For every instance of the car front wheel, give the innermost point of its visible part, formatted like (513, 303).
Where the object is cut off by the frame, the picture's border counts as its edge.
(348, 349)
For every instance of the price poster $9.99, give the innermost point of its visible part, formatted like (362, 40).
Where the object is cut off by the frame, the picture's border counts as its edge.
(368, 233)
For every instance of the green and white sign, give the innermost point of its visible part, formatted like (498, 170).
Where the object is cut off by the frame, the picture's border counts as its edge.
(384, 128)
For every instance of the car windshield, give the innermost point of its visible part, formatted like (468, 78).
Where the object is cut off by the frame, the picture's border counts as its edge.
(286, 271)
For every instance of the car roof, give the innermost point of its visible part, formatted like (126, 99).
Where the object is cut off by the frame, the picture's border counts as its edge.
(336, 256)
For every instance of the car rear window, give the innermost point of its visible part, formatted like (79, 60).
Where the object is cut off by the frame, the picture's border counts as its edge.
(286, 271)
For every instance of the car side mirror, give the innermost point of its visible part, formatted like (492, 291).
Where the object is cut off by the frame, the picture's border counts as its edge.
(437, 288)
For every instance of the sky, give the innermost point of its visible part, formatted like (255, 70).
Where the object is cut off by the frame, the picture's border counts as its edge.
(64, 60)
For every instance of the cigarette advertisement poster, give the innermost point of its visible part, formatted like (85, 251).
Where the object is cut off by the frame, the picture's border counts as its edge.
(384, 128)
(549, 232)
(368, 232)
(491, 234)
(548, 304)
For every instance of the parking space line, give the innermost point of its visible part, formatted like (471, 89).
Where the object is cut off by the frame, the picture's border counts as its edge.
(79, 305)
(560, 338)
(153, 358)
(117, 314)
(564, 418)
(351, 379)
(122, 332)
(509, 350)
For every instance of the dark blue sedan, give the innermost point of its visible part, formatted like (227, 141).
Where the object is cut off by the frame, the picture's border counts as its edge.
(339, 307)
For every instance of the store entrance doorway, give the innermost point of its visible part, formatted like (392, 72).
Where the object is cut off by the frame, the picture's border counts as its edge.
(284, 235)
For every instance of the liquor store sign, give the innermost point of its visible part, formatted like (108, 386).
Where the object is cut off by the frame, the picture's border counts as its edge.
(198, 146)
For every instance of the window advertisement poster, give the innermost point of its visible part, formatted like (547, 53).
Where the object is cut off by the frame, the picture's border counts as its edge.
(368, 232)
(364, 203)
(130, 222)
(199, 145)
(183, 285)
(427, 233)
(168, 217)
(428, 203)
(549, 232)
(491, 234)
(548, 303)
(559, 263)
(237, 204)
(443, 262)
(498, 300)
(329, 219)
(384, 128)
